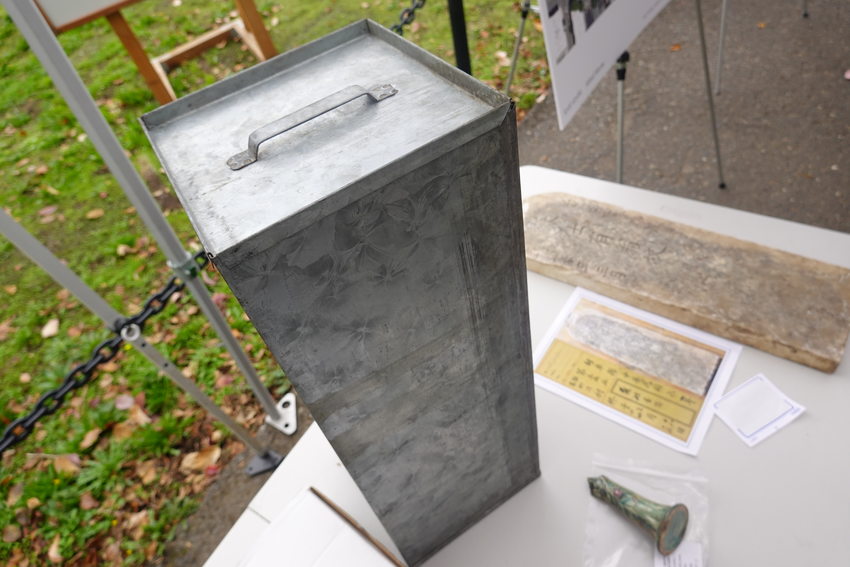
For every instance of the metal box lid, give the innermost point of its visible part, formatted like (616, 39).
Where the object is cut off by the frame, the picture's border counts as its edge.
(325, 162)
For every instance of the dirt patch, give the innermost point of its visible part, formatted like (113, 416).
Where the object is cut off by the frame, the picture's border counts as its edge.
(224, 501)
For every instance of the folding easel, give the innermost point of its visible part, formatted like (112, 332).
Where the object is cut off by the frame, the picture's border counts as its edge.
(248, 27)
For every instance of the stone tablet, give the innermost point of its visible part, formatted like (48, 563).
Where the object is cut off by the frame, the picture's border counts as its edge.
(784, 304)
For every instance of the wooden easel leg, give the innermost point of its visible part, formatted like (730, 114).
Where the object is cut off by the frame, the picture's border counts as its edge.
(254, 24)
(158, 83)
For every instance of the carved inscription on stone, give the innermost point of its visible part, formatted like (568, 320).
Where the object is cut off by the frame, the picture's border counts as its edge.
(785, 304)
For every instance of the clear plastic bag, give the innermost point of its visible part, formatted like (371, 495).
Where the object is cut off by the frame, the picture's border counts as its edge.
(611, 540)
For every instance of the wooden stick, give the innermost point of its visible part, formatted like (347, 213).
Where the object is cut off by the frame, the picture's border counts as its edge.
(254, 24)
(158, 83)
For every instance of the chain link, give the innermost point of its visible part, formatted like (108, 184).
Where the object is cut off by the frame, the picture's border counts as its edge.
(407, 16)
(51, 401)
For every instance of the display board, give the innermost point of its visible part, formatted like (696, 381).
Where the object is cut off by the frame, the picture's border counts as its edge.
(63, 14)
(584, 38)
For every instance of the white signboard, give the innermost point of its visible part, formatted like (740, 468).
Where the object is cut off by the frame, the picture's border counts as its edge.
(584, 38)
(62, 13)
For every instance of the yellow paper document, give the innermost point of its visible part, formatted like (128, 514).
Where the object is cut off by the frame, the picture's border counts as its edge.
(641, 370)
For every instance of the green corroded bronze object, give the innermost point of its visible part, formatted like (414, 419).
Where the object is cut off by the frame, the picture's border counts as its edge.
(667, 524)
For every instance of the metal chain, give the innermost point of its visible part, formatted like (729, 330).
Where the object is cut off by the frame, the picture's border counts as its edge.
(50, 402)
(407, 16)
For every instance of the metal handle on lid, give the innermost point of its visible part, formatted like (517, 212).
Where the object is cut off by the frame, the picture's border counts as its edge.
(260, 135)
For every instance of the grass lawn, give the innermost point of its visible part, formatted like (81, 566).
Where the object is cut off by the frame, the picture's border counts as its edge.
(106, 479)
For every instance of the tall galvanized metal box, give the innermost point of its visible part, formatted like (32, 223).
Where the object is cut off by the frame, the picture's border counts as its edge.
(378, 249)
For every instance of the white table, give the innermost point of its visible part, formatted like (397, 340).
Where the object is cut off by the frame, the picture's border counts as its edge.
(785, 502)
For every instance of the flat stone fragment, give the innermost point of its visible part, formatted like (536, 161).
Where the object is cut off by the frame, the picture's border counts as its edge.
(784, 304)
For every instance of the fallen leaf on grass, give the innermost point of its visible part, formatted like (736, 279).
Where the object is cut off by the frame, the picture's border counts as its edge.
(14, 494)
(150, 550)
(53, 553)
(6, 329)
(112, 553)
(88, 502)
(10, 289)
(90, 438)
(67, 463)
(95, 214)
(25, 378)
(209, 280)
(41, 169)
(33, 503)
(11, 533)
(76, 330)
(146, 471)
(50, 329)
(123, 250)
(223, 379)
(23, 516)
(200, 460)
(502, 59)
(137, 522)
(124, 402)
(138, 416)
(122, 430)
(220, 299)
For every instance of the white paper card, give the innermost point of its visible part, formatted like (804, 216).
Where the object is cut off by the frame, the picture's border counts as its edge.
(309, 533)
(757, 409)
(688, 554)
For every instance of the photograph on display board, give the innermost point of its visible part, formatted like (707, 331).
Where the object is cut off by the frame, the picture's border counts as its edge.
(583, 40)
(564, 12)
(565, 36)
(590, 9)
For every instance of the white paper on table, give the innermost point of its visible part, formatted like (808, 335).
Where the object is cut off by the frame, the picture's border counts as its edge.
(691, 446)
(309, 533)
(757, 409)
(688, 554)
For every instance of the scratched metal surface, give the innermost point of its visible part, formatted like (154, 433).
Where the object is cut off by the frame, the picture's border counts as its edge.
(402, 321)
(392, 291)
(195, 136)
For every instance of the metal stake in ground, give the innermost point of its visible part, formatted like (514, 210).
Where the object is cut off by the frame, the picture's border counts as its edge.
(621, 80)
(264, 460)
(523, 12)
(710, 95)
(720, 42)
(54, 60)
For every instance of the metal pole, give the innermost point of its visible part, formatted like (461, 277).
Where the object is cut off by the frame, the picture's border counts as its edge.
(720, 43)
(721, 183)
(31, 24)
(461, 44)
(526, 7)
(65, 277)
(62, 274)
(621, 82)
